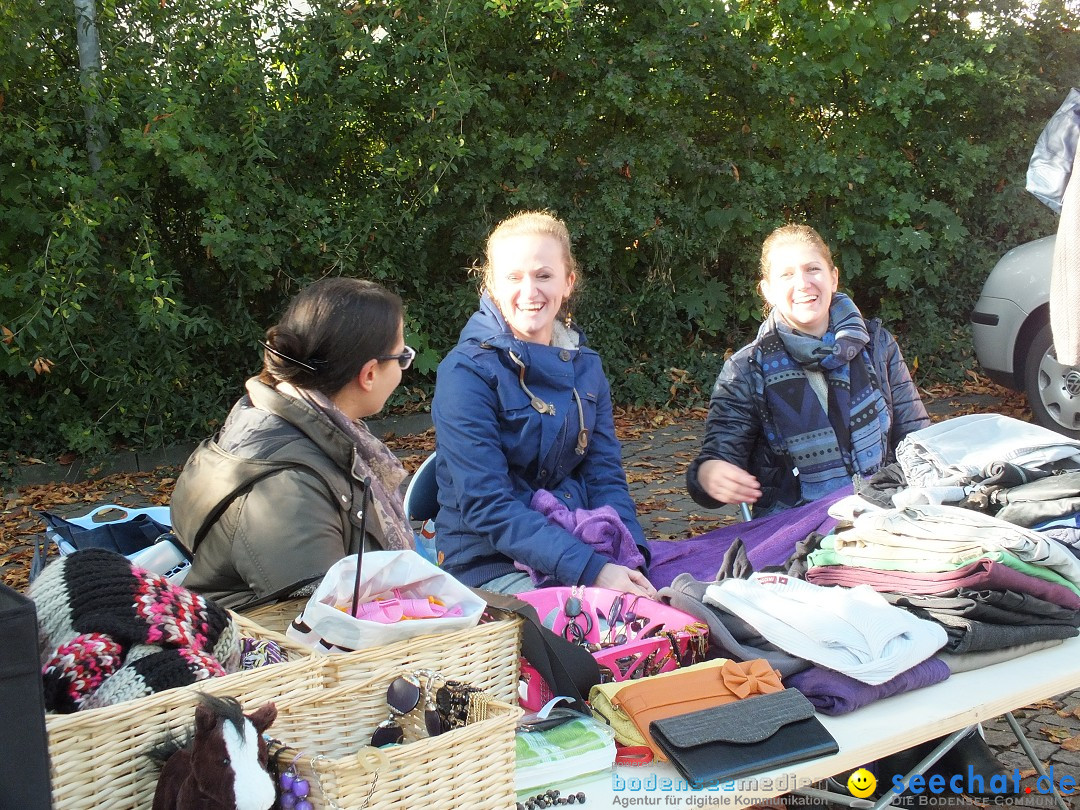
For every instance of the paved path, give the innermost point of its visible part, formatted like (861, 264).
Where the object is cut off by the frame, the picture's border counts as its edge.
(655, 458)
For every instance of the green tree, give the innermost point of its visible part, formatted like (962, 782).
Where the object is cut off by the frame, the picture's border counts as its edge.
(251, 150)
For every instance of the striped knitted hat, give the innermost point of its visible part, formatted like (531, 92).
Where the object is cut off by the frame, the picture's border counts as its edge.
(100, 618)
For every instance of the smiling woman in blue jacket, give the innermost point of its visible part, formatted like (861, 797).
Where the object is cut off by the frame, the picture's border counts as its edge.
(522, 405)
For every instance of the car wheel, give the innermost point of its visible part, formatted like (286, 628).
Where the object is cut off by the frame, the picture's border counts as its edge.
(1053, 390)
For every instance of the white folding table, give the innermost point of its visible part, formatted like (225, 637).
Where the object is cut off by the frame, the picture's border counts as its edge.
(869, 733)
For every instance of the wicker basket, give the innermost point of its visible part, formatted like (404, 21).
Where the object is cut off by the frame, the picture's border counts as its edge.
(277, 616)
(99, 753)
(481, 655)
(487, 656)
(472, 766)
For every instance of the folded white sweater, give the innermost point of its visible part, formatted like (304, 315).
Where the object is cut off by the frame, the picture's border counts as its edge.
(851, 630)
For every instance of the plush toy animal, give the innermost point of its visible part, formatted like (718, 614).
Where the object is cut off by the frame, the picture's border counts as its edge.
(222, 765)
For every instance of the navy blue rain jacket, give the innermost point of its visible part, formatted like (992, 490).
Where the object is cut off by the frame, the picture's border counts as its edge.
(495, 450)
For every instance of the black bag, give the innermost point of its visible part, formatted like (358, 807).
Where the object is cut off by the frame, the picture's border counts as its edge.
(124, 537)
(24, 750)
(746, 737)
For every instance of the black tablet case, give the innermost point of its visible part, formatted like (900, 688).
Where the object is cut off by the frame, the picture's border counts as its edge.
(742, 738)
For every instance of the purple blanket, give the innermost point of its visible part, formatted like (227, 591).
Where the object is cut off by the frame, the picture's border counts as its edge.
(769, 540)
(602, 529)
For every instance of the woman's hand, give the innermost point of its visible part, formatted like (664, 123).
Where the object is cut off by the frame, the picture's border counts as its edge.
(727, 483)
(627, 580)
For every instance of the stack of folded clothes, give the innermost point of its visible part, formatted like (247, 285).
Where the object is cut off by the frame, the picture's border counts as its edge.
(994, 587)
(841, 647)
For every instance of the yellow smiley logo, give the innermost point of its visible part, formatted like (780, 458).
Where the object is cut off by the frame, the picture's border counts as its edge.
(861, 783)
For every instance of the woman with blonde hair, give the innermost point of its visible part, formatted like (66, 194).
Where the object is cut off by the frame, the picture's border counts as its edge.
(820, 395)
(525, 438)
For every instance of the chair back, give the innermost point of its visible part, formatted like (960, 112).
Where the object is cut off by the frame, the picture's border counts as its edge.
(422, 493)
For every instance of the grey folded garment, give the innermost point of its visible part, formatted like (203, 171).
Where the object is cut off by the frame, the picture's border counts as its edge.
(1007, 474)
(967, 635)
(978, 660)
(978, 620)
(880, 487)
(993, 606)
(726, 631)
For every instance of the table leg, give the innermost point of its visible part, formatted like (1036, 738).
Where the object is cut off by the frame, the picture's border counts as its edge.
(889, 797)
(1035, 762)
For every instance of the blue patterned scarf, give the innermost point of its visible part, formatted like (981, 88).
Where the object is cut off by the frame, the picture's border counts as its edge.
(827, 449)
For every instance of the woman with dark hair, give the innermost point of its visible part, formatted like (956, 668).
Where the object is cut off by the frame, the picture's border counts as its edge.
(524, 433)
(277, 496)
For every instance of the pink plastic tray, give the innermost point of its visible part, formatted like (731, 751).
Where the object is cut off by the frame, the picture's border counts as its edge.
(628, 642)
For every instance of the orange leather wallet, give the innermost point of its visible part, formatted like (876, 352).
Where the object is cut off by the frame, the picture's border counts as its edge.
(689, 689)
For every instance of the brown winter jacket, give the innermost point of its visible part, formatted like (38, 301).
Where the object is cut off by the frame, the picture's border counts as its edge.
(297, 510)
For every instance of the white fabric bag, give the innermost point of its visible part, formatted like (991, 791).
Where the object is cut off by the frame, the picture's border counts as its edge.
(326, 626)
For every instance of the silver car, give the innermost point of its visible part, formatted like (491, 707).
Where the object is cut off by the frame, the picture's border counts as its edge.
(1011, 329)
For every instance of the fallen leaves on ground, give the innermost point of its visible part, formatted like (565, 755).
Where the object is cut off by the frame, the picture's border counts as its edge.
(973, 396)
(20, 524)
(423, 442)
(632, 422)
(1071, 744)
(1056, 733)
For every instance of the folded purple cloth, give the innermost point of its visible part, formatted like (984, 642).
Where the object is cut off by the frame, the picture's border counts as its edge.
(601, 529)
(981, 574)
(832, 692)
(769, 540)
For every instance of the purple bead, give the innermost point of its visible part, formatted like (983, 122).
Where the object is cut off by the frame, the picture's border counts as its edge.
(286, 779)
(288, 800)
(300, 788)
(304, 804)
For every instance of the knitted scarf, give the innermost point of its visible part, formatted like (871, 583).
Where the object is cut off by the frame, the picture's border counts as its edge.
(110, 631)
(373, 460)
(852, 438)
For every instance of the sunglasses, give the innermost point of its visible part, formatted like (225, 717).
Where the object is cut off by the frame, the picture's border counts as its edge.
(404, 359)
(402, 697)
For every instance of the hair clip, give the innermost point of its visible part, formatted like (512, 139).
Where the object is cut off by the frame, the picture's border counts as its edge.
(310, 365)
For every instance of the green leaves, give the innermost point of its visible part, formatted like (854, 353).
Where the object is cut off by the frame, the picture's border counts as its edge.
(253, 149)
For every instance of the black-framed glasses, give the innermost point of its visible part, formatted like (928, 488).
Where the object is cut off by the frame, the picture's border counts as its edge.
(404, 359)
(403, 696)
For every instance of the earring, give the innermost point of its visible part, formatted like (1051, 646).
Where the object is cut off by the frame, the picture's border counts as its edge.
(294, 789)
(433, 721)
(569, 318)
